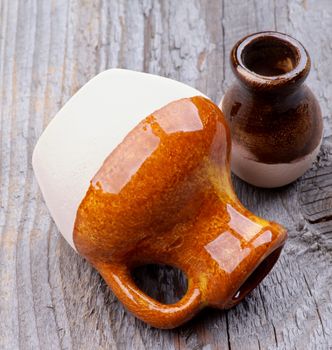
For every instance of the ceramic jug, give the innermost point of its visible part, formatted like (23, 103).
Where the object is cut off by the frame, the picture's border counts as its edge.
(275, 119)
(135, 170)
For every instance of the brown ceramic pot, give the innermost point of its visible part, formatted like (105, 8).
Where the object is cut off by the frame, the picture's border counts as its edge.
(177, 208)
(274, 117)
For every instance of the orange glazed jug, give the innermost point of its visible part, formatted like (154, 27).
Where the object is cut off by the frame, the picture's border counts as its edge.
(164, 195)
(179, 209)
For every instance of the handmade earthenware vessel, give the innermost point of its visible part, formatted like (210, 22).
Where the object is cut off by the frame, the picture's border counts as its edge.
(126, 190)
(275, 119)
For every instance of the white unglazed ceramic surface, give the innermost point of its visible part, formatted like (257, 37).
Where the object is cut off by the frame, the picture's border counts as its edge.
(88, 128)
(269, 175)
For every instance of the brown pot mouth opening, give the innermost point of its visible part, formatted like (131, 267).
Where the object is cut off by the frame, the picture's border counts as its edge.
(270, 59)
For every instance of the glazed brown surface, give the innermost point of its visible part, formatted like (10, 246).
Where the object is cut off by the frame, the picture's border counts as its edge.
(274, 129)
(164, 195)
(273, 116)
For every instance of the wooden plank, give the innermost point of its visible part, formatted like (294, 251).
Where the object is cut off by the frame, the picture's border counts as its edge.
(50, 298)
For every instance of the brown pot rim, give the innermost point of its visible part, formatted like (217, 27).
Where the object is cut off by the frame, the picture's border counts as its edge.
(269, 82)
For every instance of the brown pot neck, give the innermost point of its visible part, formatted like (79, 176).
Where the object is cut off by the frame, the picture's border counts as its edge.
(270, 62)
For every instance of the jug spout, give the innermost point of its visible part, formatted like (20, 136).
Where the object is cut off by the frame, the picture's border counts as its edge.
(259, 273)
(239, 263)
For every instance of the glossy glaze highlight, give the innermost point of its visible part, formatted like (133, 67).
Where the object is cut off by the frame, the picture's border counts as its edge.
(164, 195)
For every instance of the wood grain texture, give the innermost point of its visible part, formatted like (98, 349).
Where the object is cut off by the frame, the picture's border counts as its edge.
(50, 298)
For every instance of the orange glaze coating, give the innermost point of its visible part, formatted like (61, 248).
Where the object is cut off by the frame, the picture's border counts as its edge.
(164, 195)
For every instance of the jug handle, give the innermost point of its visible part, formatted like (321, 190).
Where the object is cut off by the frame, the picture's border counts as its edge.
(147, 309)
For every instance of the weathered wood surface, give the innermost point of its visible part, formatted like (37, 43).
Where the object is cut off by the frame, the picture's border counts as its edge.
(50, 298)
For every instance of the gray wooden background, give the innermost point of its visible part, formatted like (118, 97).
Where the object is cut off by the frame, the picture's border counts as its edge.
(50, 298)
